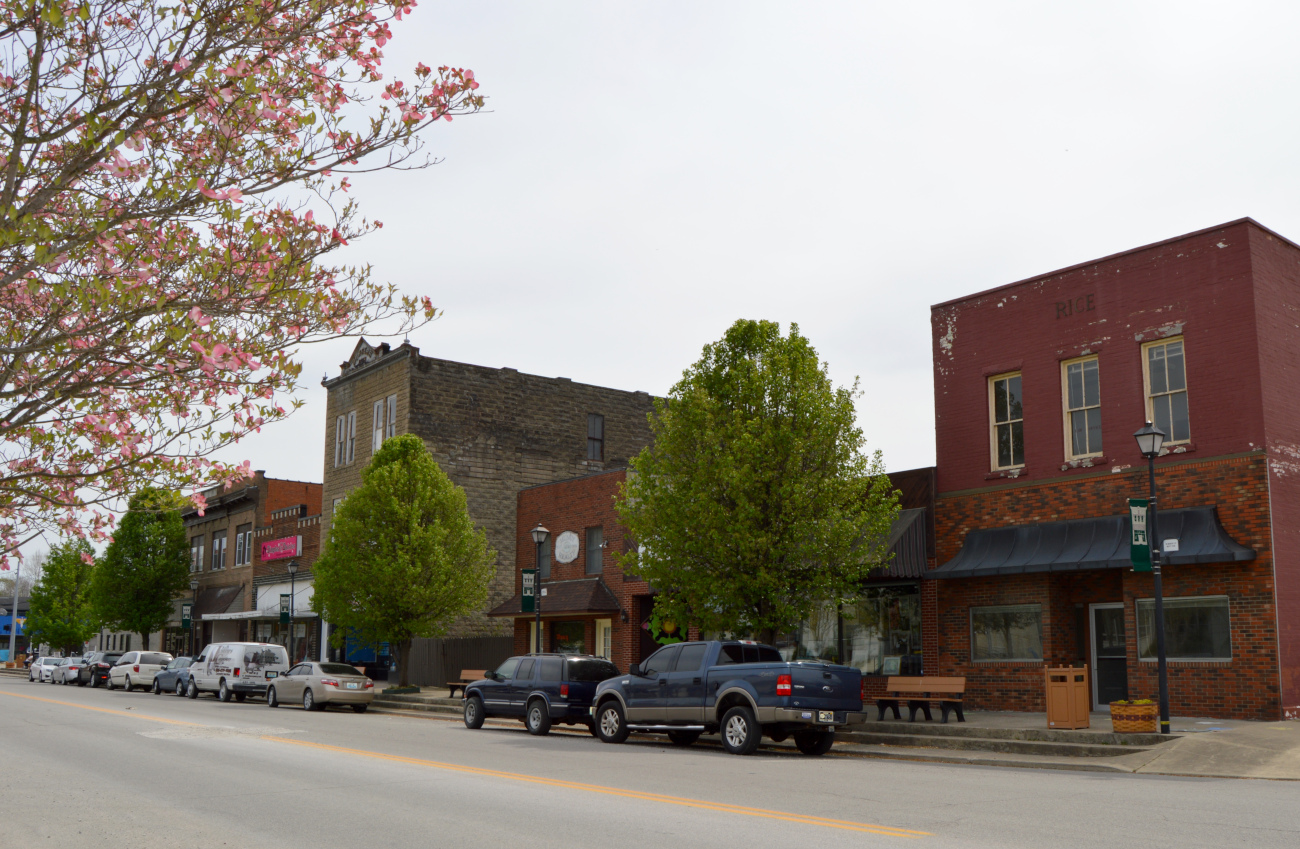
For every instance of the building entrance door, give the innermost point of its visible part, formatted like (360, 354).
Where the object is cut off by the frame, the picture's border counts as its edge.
(1109, 655)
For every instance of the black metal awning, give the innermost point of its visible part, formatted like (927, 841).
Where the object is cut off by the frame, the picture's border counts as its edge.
(907, 543)
(1097, 543)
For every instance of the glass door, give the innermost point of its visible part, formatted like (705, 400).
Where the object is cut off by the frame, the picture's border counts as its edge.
(1109, 655)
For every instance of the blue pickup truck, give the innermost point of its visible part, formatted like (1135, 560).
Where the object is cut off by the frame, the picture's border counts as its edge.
(741, 689)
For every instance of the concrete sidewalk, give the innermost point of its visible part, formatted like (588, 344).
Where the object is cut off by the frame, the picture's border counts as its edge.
(1243, 750)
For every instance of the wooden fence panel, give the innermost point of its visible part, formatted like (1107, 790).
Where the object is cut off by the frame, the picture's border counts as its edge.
(435, 661)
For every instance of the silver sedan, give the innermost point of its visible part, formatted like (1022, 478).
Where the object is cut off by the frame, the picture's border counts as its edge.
(317, 685)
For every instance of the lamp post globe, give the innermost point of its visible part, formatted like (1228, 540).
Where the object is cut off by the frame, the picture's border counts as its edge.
(540, 535)
(1150, 440)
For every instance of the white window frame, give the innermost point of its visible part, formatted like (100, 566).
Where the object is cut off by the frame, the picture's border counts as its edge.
(239, 549)
(391, 429)
(196, 555)
(340, 437)
(351, 445)
(1006, 608)
(1066, 410)
(605, 638)
(1146, 387)
(994, 423)
(377, 427)
(1177, 601)
(219, 544)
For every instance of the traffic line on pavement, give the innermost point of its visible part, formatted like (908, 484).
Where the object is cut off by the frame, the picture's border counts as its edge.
(723, 807)
(130, 714)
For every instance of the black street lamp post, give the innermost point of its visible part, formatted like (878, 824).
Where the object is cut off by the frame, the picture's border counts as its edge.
(540, 535)
(1150, 439)
(293, 570)
(194, 610)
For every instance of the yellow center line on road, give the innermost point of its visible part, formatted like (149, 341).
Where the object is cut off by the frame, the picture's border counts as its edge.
(130, 714)
(723, 807)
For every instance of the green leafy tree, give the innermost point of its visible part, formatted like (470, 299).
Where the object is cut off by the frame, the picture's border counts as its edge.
(756, 501)
(403, 558)
(145, 567)
(61, 612)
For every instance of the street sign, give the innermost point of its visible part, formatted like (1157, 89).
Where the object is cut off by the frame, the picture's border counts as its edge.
(187, 613)
(284, 608)
(1169, 546)
(529, 600)
(1139, 553)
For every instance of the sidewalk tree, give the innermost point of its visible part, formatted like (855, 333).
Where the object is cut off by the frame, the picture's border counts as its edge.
(756, 501)
(146, 566)
(61, 612)
(172, 183)
(403, 558)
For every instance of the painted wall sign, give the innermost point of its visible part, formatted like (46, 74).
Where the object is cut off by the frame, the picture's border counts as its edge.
(566, 547)
(1083, 303)
(278, 549)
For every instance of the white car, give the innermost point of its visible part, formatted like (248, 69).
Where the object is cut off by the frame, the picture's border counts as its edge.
(137, 669)
(68, 668)
(42, 667)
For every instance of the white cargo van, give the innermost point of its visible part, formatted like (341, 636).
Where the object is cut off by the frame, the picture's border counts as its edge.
(236, 669)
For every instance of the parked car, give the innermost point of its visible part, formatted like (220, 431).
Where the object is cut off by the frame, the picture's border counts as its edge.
(137, 669)
(235, 670)
(68, 668)
(739, 688)
(541, 689)
(174, 678)
(42, 668)
(94, 670)
(318, 685)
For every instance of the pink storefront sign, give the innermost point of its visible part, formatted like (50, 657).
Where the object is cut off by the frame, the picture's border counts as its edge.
(278, 549)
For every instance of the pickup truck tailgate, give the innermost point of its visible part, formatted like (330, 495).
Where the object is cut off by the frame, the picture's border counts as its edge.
(829, 687)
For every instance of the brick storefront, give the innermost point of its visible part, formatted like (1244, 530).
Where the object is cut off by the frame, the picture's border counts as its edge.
(1216, 294)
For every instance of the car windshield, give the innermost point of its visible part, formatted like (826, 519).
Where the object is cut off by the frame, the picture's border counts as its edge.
(339, 669)
(156, 658)
(592, 669)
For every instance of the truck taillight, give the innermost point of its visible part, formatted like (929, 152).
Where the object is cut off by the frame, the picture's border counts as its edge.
(564, 691)
(783, 687)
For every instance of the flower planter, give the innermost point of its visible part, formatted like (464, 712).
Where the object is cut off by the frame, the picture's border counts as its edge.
(1133, 719)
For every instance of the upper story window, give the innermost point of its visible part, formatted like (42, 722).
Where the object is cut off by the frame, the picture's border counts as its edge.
(384, 422)
(377, 427)
(218, 550)
(390, 429)
(1082, 408)
(595, 436)
(196, 554)
(1007, 427)
(340, 439)
(595, 550)
(1166, 385)
(243, 545)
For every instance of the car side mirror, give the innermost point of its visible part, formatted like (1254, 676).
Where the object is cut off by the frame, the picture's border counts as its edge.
(634, 669)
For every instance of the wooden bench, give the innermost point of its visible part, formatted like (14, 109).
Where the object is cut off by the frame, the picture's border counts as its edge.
(467, 677)
(918, 692)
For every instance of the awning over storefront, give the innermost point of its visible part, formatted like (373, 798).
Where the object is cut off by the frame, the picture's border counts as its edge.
(268, 603)
(907, 544)
(218, 600)
(583, 596)
(1098, 543)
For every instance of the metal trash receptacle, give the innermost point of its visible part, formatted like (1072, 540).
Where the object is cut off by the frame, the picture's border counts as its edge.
(1069, 696)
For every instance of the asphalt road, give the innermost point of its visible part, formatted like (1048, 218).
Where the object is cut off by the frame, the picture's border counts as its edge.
(90, 768)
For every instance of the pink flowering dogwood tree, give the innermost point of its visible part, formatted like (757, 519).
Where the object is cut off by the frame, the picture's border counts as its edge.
(172, 178)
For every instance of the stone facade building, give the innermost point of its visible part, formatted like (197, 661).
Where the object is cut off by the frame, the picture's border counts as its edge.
(1039, 387)
(493, 431)
(225, 549)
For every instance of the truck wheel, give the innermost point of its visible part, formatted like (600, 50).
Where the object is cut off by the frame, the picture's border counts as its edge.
(683, 738)
(611, 727)
(473, 712)
(192, 691)
(538, 718)
(223, 692)
(740, 732)
(814, 742)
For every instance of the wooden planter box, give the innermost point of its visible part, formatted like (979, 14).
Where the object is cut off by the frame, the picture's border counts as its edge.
(1133, 719)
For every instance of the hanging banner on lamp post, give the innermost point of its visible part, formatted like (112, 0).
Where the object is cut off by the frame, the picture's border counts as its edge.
(1139, 553)
(187, 610)
(284, 608)
(529, 600)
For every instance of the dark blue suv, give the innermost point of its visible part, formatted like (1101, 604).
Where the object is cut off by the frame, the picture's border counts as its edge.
(539, 689)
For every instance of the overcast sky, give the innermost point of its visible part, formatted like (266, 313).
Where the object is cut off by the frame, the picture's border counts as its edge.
(649, 172)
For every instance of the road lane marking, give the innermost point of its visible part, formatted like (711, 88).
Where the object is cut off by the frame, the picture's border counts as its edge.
(723, 807)
(130, 714)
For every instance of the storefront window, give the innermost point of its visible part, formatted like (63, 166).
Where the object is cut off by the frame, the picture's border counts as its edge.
(569, 637)
(1007, 632)
(880, 633)
(1195, 628)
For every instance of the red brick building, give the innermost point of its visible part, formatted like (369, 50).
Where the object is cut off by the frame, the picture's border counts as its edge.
(1039, 386)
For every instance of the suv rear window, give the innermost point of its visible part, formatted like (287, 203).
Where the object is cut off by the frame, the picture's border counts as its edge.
(591, 670)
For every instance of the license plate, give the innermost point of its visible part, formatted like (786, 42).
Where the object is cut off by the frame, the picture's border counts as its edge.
(272, 674)
(353, 686)
(825, 716)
